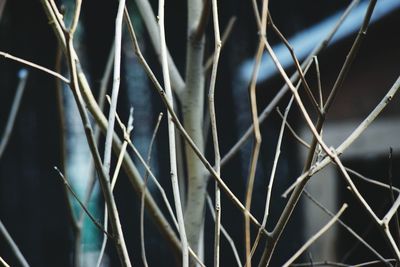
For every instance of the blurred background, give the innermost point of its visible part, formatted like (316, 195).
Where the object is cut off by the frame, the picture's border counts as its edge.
(33, 203)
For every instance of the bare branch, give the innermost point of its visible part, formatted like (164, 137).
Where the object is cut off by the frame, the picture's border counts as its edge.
(292, 131)
(213, 120)
(225, 233)
(35, 66)
(115, 89)
(86, 210)
(104, 179)
(282, 92)
(257, 134)
(182, 130)
(14, 248)
(75, 19)
(23, 77)
(150, 22)
(225, 35)
(133, 174)
(316, 236)
(149, 150)
(351, 55)
(272, 176)
(345, 226)
(296, 63)
(171, 139)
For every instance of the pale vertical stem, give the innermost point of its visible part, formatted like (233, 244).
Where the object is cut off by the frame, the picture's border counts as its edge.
(146, 176)
(192, 111)
(256, 131)
(113, 108)
(171, 138)
(115, 88)
(272, 177)
(23, 76)
(75, 19)
(150, 23)
(217, 156)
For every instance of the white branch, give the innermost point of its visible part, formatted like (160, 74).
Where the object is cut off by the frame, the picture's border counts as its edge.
(171, 139)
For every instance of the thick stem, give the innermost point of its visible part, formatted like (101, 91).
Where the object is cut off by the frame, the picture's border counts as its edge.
(193, 109)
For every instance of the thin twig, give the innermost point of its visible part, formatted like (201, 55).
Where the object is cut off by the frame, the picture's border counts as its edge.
(282, 92)
(292, 131)
(382, 223)
(213, 121)
(351, 55)
(257, 134)
(372, 181)
(160, 188)
(63, 155)
(115, 88)
(183, 132)
(86, 210)
(163, 194)
(127, 133)
(316, 236)
(317, 138)
(23, 77)
(103, 176)
(272, 176)
(319, 84)
(345, 226)
(296, 63)
(127, 130)
(146, 176)
(171, 138)
(113, 105)
(224, 232)
(100, 100)
(154, 179)
(149, 19)
(92, 178)
(390, 178)
(345, 144)
(35, 66)
(133, 174)
(14, 248)
(106, 77)
(225, 35)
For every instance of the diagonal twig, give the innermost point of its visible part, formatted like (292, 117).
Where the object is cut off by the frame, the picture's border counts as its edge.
(14, 248)
(86, 210)
(316, 236)
(23, 77)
